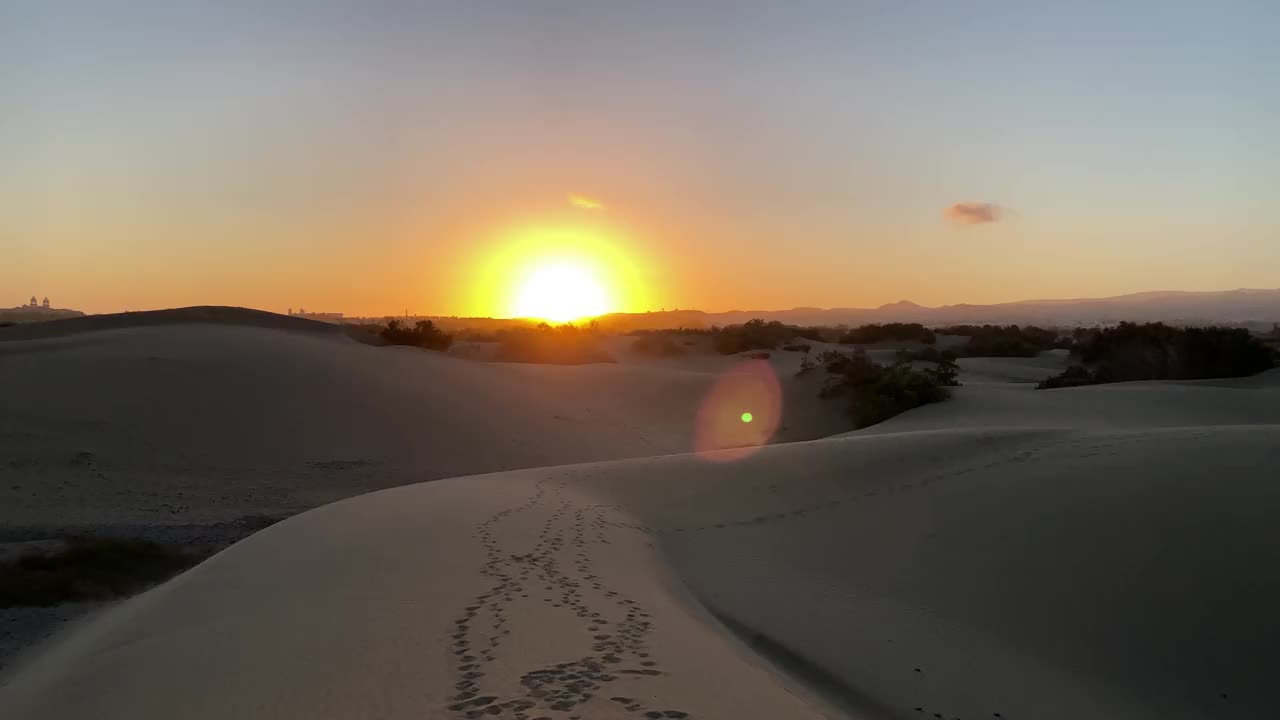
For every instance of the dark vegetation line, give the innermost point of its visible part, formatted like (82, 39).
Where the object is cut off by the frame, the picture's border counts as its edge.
(1155, 351)
(566, 344)
(1006, 340)
(89, 568)
(423, 334)
(1129, 351)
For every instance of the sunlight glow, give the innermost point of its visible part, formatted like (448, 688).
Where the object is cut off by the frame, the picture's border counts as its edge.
(560, 292)
(562, 272)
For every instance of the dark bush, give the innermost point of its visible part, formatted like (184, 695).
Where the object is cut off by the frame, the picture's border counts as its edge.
(560, 345)
(929, 354)
(876, 392)
(802, 348)
(657, 346)
(816, 333)
(1074, 376)
(867, 334)
(88, 569)
(424, 334)
(1155, 351)
(1004, 340)
(751, 335)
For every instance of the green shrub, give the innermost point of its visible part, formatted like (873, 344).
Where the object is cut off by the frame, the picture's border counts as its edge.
(876, 392)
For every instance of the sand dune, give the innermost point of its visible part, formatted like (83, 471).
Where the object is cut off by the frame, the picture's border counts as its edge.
(210, 422)
(1090, 552)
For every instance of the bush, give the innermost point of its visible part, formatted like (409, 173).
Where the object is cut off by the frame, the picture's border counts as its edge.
(929, 354)
(1005, 340)
(560, 345)
(1155, 351)
(657, 346)
(807, 365)
(876, 392)
(424, 334)
(816, 333)
(751, 335)
(1074, 376)
(867, 334)
(88, 569)
(800, 348)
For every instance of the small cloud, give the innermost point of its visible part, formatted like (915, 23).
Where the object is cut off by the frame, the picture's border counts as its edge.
(584, 202)
(973, 213)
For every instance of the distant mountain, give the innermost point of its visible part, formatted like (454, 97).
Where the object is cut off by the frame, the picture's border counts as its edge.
(1244, 306)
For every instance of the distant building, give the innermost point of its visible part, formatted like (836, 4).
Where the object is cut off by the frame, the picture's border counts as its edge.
(329, 317)
(33, 302)
(46, 303)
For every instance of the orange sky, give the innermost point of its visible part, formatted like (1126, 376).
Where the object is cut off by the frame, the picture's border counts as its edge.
(372, 164)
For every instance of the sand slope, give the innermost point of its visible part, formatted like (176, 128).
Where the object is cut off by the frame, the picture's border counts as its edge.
(208, 422)
(1102, 552)
(1033, 573)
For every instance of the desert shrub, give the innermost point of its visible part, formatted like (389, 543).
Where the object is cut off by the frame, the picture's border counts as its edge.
(1074, 376)
(88, 569)
(657, 346)
(1155, 351)
(928, 354)
(1005, 340)
(816, 333)
(751, 335)
(877, 392)
(807, 365)
(559, 345)
(875, 332)
(423, 334)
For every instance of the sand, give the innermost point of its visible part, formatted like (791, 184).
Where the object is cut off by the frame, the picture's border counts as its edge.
(207, 423)
(1089, 552)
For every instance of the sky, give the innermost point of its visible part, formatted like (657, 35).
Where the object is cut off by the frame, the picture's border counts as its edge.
(378, 157)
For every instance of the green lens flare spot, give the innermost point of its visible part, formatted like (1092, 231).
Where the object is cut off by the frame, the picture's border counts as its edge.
(747, 417)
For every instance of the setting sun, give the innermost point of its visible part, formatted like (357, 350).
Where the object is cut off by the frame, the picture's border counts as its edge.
(559, 273)
(561, 292)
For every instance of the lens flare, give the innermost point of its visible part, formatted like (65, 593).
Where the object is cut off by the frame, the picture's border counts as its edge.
(740, 413)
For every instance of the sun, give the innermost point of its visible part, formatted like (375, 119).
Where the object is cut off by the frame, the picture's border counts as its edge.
(560, 291)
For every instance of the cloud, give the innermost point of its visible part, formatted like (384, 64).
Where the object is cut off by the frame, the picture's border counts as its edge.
(584, 202)
(973, 213)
